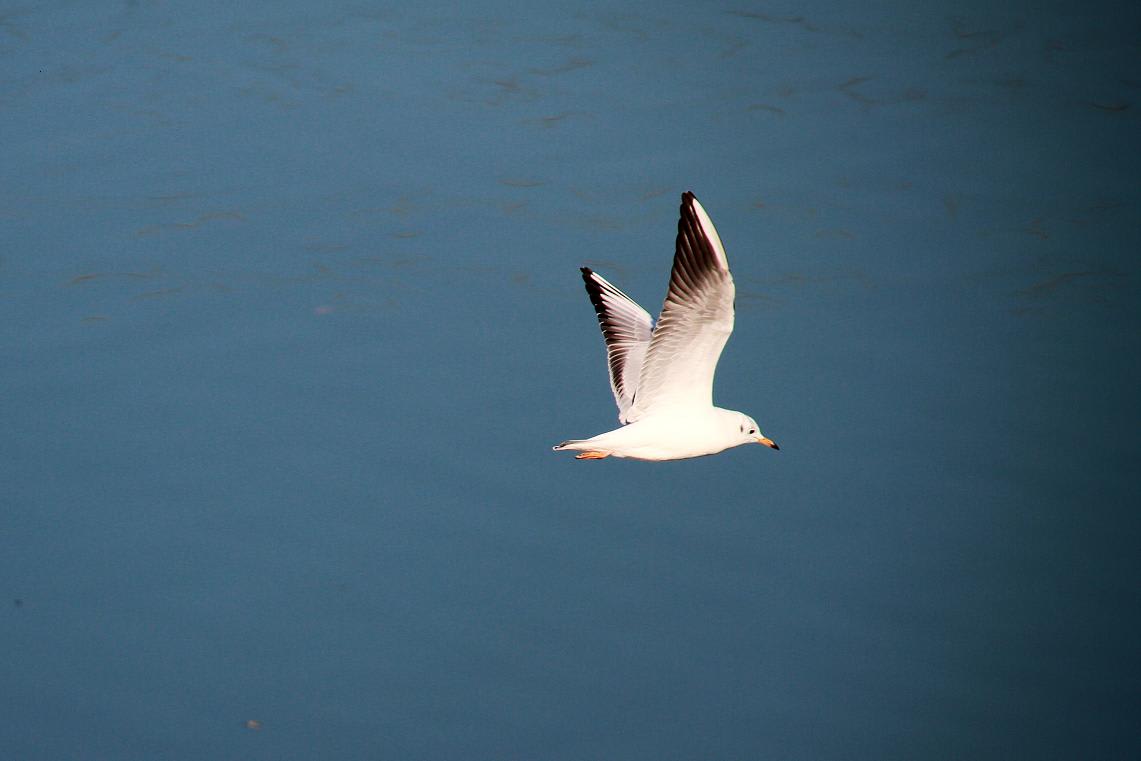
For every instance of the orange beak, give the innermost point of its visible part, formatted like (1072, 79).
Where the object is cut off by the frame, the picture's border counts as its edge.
(767, 442)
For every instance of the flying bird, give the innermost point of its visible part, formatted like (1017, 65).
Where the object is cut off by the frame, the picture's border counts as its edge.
(662, 376)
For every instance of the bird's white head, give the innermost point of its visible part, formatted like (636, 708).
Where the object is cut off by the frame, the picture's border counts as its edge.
(751, 432)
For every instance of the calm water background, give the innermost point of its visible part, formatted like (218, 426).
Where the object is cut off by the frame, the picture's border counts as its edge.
(290, 317)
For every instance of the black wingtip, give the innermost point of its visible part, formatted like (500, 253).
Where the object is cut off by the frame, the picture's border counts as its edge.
(586, 271)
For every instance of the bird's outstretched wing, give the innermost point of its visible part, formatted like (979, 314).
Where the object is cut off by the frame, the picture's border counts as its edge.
(695, 322)
(627, 328)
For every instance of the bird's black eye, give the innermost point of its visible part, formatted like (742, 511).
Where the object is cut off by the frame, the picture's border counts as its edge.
(752, 431)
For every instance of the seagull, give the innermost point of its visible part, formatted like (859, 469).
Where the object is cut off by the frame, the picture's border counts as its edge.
(662, 377)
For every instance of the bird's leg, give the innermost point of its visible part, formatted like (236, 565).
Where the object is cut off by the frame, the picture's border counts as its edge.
(591, 455)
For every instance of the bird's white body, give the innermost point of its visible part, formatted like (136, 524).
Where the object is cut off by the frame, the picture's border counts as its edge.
(673, 436)
(662, 376)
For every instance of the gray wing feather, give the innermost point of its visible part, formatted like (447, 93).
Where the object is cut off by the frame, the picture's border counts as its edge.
(695, 322)
(627, 329)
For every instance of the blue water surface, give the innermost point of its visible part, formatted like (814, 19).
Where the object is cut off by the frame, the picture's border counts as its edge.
(290, 317)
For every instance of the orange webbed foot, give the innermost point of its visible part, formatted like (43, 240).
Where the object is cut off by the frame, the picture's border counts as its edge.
(591, 455)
